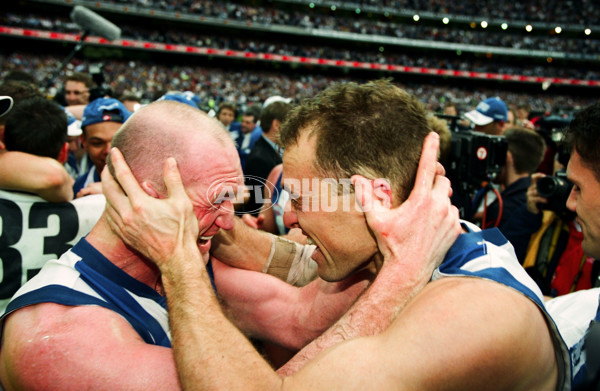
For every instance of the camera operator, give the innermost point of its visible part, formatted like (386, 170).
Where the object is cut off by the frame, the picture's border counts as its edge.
(525, 152)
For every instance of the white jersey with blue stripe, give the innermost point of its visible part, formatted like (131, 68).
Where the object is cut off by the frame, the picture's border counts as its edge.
(574, 314)
(33, 231)
(83, 276)
(489, 255)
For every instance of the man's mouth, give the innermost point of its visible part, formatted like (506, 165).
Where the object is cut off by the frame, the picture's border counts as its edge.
(310, 241)
(204, 239)
(204, 243)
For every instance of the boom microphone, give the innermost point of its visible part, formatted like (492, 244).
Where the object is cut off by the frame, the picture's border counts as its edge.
(93, 23)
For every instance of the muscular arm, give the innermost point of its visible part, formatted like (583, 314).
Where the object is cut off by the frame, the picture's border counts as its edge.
(269, 309)
(54, 347)
(40, 175)
(243, 247)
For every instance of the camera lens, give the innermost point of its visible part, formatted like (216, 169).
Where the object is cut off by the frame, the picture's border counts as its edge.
(547, 186)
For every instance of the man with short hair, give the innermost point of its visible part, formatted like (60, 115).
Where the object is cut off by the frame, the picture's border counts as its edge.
(22, 171)
(525, 153)
(92, 314)
(34, 230)
(77, 88)
(101, 120)
(489, 116)
(265, 155)
(249, 133)
(226, 115)
(578, 314)
(417, 326)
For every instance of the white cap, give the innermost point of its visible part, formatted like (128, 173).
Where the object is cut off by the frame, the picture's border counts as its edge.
(6, 103)
(275, 98)
(74, 129)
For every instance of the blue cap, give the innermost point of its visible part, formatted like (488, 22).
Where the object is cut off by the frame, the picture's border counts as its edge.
(187, 97)
(104, 110)
(491, 109)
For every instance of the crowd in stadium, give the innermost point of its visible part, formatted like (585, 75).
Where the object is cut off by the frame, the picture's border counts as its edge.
(579, 12)
(150, 80)
(383, 54)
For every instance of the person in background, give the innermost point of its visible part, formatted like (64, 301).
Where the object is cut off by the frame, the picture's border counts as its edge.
(265, 154)
(33, 229)
(249, 134)
(101, 120)
(489, 116)
(525, 152)
(77, 88)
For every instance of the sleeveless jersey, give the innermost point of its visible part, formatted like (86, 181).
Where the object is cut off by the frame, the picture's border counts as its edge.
(574, 314)
(83, 276)
(489, 255)
(33, 231)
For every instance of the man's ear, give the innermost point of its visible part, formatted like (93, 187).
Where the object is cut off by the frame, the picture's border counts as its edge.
(2, 133)
(149, 188)
(509, 158)
(275, 125)
(63, 154)
(382, 192)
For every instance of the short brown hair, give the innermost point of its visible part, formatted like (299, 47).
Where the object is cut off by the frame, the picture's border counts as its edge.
(527, 148)
(274, 111)
(374, 129)
(81, 77)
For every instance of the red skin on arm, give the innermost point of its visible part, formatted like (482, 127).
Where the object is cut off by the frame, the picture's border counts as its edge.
(54, 347)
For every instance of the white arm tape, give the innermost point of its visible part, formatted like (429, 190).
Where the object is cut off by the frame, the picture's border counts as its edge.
(291, 262)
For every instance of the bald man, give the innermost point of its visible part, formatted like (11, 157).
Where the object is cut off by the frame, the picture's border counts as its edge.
(91, 315)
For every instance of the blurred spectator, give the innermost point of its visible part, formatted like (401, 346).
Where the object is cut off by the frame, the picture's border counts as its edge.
(77, 89)
(226, 115)
(249, 133)
(101, 120)
(489, 116)
(132, 102)
(33, 229)
(525, 152)
(266, 153)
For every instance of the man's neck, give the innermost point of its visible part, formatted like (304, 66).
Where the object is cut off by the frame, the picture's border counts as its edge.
(512, 177)
(115, 250)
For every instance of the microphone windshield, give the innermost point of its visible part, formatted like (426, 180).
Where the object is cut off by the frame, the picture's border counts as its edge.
(90, 21)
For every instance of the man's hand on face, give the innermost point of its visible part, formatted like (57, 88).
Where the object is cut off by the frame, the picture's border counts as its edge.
(417, 234)
(159, 229)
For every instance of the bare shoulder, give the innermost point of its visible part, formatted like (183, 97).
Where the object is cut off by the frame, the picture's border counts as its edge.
(456, 334)
(48, 343)
(482, 332)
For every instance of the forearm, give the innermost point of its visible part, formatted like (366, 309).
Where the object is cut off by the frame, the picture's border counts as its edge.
(269, 309)
(221, 357)
(242, 247)
(40, 175)
(371, 314)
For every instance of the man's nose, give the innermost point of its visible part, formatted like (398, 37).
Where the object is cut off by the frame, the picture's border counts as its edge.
(226, 219)
(572, 201)
(290, 218)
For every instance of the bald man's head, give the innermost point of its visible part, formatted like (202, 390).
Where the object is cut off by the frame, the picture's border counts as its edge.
(166, 129)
